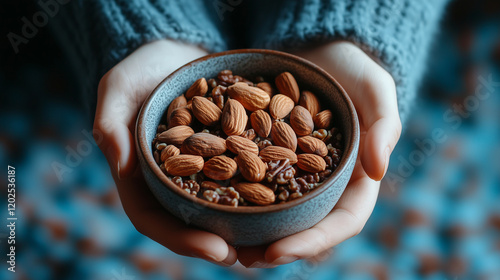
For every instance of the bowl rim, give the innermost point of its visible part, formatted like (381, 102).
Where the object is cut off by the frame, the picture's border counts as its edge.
(349, 154)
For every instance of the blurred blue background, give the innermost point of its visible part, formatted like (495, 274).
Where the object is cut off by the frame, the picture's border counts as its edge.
(438, 214)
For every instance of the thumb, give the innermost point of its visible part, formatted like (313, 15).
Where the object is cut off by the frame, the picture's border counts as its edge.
(378, 144)
(114, 119)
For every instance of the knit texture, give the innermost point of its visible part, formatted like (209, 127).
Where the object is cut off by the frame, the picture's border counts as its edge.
(97, 34)
(398, 32)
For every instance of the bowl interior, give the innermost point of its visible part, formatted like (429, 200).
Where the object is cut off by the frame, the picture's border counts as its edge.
(250, 63)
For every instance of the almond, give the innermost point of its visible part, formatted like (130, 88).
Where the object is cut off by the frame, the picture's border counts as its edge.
(183, 165)
(323, 119)
(284, 136)
(312, 145)
(178, 102)
(251, 166)
(210, 185)
(199, 88)
(280, 106)
(206, 111)
(252, 98)
(311, 163)
(275, 153)
(267, 87)
(180, 116)
(287, 85)
(234, 118)
(169, 151)
(255, 193)
(204, 144)
(220, 168)
(301, 121)
(309, 101)
(176, 135)
(261, 123)
(236, 144)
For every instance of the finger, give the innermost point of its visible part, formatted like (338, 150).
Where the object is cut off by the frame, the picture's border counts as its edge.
(122, 91)
(253, 257)
(345, 221)
(150, 219)
(379, 116)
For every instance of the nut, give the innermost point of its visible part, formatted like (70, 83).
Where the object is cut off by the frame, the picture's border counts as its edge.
(234, 118)
(277, 153)
(220, 168)
(183, 165)
(280, 106)
(218, 96)
(251, 166)
(261, 123)
(255, 193)
(311, 163)
(252, 98)
(199, 88)
(262, 149)
(180, 116)
(284, 136)
(287, 85)
(176, 135)
(301, 121)
(267, 87)
(312, 145)
(236, 144)
(178, 102)
(309, 101)
(323, 119)
(205, 111)
(204, 144)
(169, 151)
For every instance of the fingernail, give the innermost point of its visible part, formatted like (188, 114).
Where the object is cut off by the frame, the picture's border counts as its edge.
(284, 260)
(206, 257)
(261, 264)
(118, 170)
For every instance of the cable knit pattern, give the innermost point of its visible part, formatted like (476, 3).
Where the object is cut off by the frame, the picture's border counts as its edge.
(97, 34)
(398, 32)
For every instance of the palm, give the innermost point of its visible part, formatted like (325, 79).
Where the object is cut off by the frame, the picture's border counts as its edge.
(373, 93)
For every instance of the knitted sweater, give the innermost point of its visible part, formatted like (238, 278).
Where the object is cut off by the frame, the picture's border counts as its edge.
(97, 34)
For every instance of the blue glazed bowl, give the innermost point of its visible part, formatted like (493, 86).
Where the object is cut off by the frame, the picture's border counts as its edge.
(249, 225)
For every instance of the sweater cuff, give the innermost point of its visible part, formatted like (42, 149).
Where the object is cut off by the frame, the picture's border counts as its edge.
(97, 34)
(398, 33)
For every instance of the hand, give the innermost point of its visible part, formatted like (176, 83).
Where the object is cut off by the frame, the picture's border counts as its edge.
(373, 92)
(120, 95)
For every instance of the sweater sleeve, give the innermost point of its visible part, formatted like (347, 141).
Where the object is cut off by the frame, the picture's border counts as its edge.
(397, 32)
(97, 34)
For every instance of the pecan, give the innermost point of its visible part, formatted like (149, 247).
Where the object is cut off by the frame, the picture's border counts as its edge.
(249, 134)
(226, 200)
(211, 196)
(263, 142)
(283, 196)
(161, 128)
(320, 134)
(218, 96)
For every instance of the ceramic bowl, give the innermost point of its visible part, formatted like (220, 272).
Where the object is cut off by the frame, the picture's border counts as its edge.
(249, 225)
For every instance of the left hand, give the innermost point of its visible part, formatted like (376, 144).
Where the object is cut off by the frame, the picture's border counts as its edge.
(373, 92)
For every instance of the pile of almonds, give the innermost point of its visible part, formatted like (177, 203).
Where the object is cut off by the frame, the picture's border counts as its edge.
(235, 142)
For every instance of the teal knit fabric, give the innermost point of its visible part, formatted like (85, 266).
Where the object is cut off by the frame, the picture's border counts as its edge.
(398, 33)
(99, 33)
